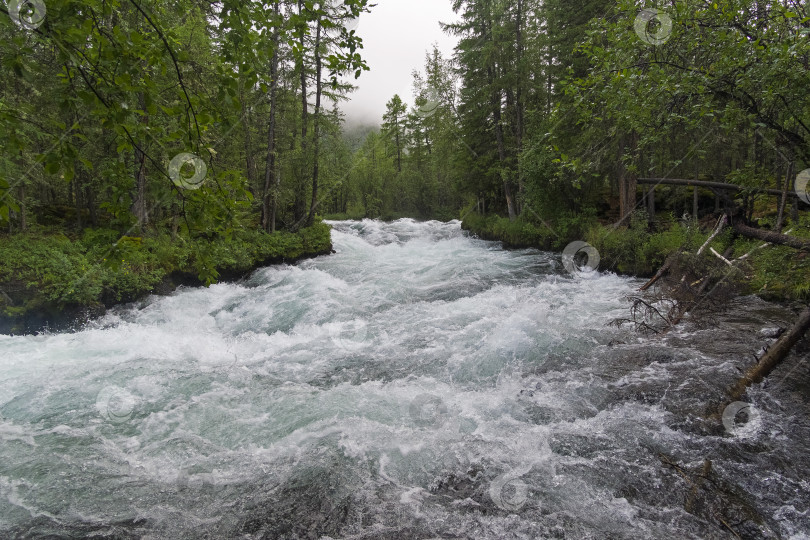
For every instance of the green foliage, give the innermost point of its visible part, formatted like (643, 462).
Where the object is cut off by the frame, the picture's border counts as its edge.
(775, 272)
(778, 272)
(634, 250)
(94, 108)
(407, 168)
(720, 99)
(55, 266)
(515, 234)
(97, 102)
(544, 111)
(52, 272)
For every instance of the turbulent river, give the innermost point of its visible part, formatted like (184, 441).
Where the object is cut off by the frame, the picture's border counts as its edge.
(419, 383)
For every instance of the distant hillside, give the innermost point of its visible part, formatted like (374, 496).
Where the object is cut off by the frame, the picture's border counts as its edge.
(355, 135)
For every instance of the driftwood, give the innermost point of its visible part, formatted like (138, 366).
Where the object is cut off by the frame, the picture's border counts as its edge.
(766, 244)
(721, 223)
(642, 310)
(774, 356)
(728, 262)
(714, 186)
(698, 298)
(691, 292)
(771, 237)
(783, 200)
(694, 298)
(687, 279)
(661, 273)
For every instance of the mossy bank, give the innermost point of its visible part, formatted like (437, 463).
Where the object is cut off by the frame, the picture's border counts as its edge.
(776, 273)
(54, 281)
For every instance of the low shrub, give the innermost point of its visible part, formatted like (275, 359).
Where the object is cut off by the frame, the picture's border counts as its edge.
(52, 272)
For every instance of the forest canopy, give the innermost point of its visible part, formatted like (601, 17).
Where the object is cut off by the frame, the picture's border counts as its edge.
(179, 114)
(203, 119)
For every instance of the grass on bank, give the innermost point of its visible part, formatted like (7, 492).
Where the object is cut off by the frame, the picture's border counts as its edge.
(46, 272)
(776, 272)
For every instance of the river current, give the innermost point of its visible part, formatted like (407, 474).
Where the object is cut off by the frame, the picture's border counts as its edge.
(418, 383)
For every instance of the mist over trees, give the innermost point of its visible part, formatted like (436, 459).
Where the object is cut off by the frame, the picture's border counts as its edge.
(544, 114)
(551, 114)
(195, 117)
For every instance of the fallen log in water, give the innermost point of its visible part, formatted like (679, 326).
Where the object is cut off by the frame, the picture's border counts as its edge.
(781, 349)
(775, 355)
(661, 273)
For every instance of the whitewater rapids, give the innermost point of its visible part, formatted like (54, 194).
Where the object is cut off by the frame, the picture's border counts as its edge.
(419, 383)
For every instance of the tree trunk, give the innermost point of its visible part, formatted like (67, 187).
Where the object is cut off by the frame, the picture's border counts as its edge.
(631, 179)
(139, 207)
(783, 201)
(299, 204)
(774, 356)
(719, 186)
(624, 181)
(496, 98)
(399, 145)
(90, 200)
(770, 236)
(496, 109)
(316, 129)
(23, 218)
(139, 204)
(77, 190)
(270, 191)
(519, 99)
(549, 66)
(250, 162)
(661, 273)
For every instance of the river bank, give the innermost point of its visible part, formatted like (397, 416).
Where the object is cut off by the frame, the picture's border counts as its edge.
(419, 383)
(54, 281)
(776, 274)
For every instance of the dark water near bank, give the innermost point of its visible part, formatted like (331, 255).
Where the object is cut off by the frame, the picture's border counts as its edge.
(417, 384)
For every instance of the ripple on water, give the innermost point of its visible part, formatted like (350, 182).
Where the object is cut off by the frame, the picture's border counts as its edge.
(419, 383)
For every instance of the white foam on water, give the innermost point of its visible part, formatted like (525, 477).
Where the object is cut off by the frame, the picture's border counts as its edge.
(313, 375)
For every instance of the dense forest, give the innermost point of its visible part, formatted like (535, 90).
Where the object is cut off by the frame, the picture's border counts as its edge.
(535, 298)
(553, 114)
(139, 115)
(146, 138)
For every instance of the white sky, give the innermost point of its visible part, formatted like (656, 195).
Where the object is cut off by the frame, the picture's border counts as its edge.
(396, 35)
